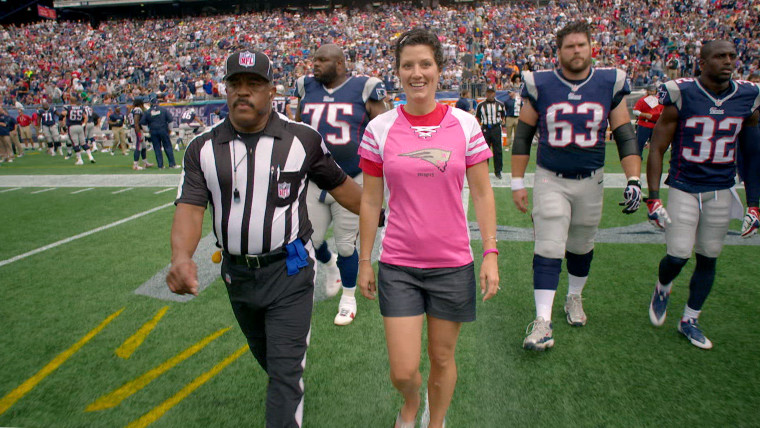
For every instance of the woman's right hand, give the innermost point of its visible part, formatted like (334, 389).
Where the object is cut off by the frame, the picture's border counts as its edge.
(366, 281)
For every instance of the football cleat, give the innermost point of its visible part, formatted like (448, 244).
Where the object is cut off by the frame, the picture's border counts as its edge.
(574, 310)
(346, 311)
(333, 284)
(147, 164)
(540, 335)
(137, 167)
(751, 222)
(658, 307)
(690, 329)
(79, 162)
(92, 160)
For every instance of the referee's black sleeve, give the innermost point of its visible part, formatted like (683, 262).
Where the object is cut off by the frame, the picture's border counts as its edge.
(320, 165)
(192, 184)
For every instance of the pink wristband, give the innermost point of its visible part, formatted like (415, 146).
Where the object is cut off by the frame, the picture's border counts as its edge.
(492, 250)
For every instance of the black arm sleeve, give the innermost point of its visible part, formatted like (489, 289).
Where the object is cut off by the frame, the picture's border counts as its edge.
(625, 137)
(523, 138)
(749, 163)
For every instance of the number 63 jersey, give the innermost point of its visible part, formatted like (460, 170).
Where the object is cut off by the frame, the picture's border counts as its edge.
(340, 114)
(703, 150)
(572, 120)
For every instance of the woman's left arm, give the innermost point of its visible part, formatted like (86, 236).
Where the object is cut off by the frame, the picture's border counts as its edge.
(485, 211)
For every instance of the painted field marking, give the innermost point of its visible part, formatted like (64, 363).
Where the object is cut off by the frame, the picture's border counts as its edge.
(122, 190)
(133, 342)
(82, 235)
(43, 190)
(15, 395)
(82, 190)
(168, 189)
(115, 397)
(158, 411)
(9, 190)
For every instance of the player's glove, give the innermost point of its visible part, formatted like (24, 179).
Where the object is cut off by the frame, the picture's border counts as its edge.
(658, 216)
(632, 196)
(751, 222)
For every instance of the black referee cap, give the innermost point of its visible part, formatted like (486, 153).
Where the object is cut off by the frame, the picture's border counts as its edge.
(248, 62)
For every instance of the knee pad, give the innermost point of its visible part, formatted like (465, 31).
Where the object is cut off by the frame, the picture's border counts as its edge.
(322, 252)
(546, 272)
(579, 264)
(77, 149)
(349, 269)
(345, 249)
(670, 267)
(706, 264)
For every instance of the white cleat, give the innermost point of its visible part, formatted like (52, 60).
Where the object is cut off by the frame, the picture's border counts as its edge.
(333, 283)
(574, 310)
(346, 311)
(79, 162)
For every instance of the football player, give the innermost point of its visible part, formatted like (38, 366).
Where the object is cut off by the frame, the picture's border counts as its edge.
(339, 107)
(703, 120)
(136, 135)
(281, 103)
(49, 117)
(571, 107)
(89, 127)
(189, 126)
(76, 118)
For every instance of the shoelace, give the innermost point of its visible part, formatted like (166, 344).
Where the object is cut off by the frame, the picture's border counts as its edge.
(532, 326)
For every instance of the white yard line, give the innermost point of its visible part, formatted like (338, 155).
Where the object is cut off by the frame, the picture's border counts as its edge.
(82, 190)
(82, 235)
(164, 190)
(44, 190)
(122, 190)
(9, 190)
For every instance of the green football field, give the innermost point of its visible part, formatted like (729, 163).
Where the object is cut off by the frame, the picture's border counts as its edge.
(79, 348)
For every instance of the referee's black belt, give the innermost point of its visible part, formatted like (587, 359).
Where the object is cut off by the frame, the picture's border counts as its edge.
(577, 175)
(257, 261)
(492, 126)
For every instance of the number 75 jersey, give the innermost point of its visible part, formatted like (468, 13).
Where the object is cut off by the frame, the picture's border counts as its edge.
(572, 116)
(703, 150)
(339, 114)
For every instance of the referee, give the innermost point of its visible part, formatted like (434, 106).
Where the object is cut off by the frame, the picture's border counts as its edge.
(490, 115)
(254, 168)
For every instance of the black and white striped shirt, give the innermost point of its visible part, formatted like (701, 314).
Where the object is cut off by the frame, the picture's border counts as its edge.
(271, 173)
(490, 112)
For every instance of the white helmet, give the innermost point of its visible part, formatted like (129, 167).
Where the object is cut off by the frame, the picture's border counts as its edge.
(280, 89)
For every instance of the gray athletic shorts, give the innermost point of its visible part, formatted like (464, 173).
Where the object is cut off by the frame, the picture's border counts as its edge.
(445, 293)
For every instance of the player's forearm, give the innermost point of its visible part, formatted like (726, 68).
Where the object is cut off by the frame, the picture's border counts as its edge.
(186, 231)
(631, 166)
(369, 215)
(654, 169)
(519, 165)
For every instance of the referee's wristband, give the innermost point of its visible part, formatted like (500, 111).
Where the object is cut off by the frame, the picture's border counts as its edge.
(489, 251)
(517, 183)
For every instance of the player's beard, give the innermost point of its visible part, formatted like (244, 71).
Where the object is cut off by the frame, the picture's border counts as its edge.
(576, 69)
(326, 75)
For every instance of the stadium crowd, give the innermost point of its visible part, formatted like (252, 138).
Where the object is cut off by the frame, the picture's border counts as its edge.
(488, 44)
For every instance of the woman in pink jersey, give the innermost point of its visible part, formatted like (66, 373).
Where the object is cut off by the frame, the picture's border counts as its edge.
(416, 157)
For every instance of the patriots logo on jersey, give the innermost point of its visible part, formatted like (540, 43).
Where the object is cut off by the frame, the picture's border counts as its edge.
(381, 93)
(425, 131)
(715, 110)
(662, 93)
(438, 157)
(247, 59)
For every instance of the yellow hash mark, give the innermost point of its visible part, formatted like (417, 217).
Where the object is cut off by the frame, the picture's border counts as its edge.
(115, 397)
(164, 407)
(133, 342)
(15, 395)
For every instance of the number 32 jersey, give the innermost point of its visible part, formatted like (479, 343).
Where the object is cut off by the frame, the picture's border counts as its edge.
(705, 141)
(340, 114)
(572, 119)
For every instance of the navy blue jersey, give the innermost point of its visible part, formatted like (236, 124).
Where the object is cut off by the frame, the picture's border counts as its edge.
(704, 145)
(572, 116)
(136, 111)
(90, 114)
(340, 114)
(48, 117)
(279, 103)
(189, 116)
(74, 115)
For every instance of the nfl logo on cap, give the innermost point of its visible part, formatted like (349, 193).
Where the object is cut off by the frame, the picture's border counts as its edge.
(247, 59)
